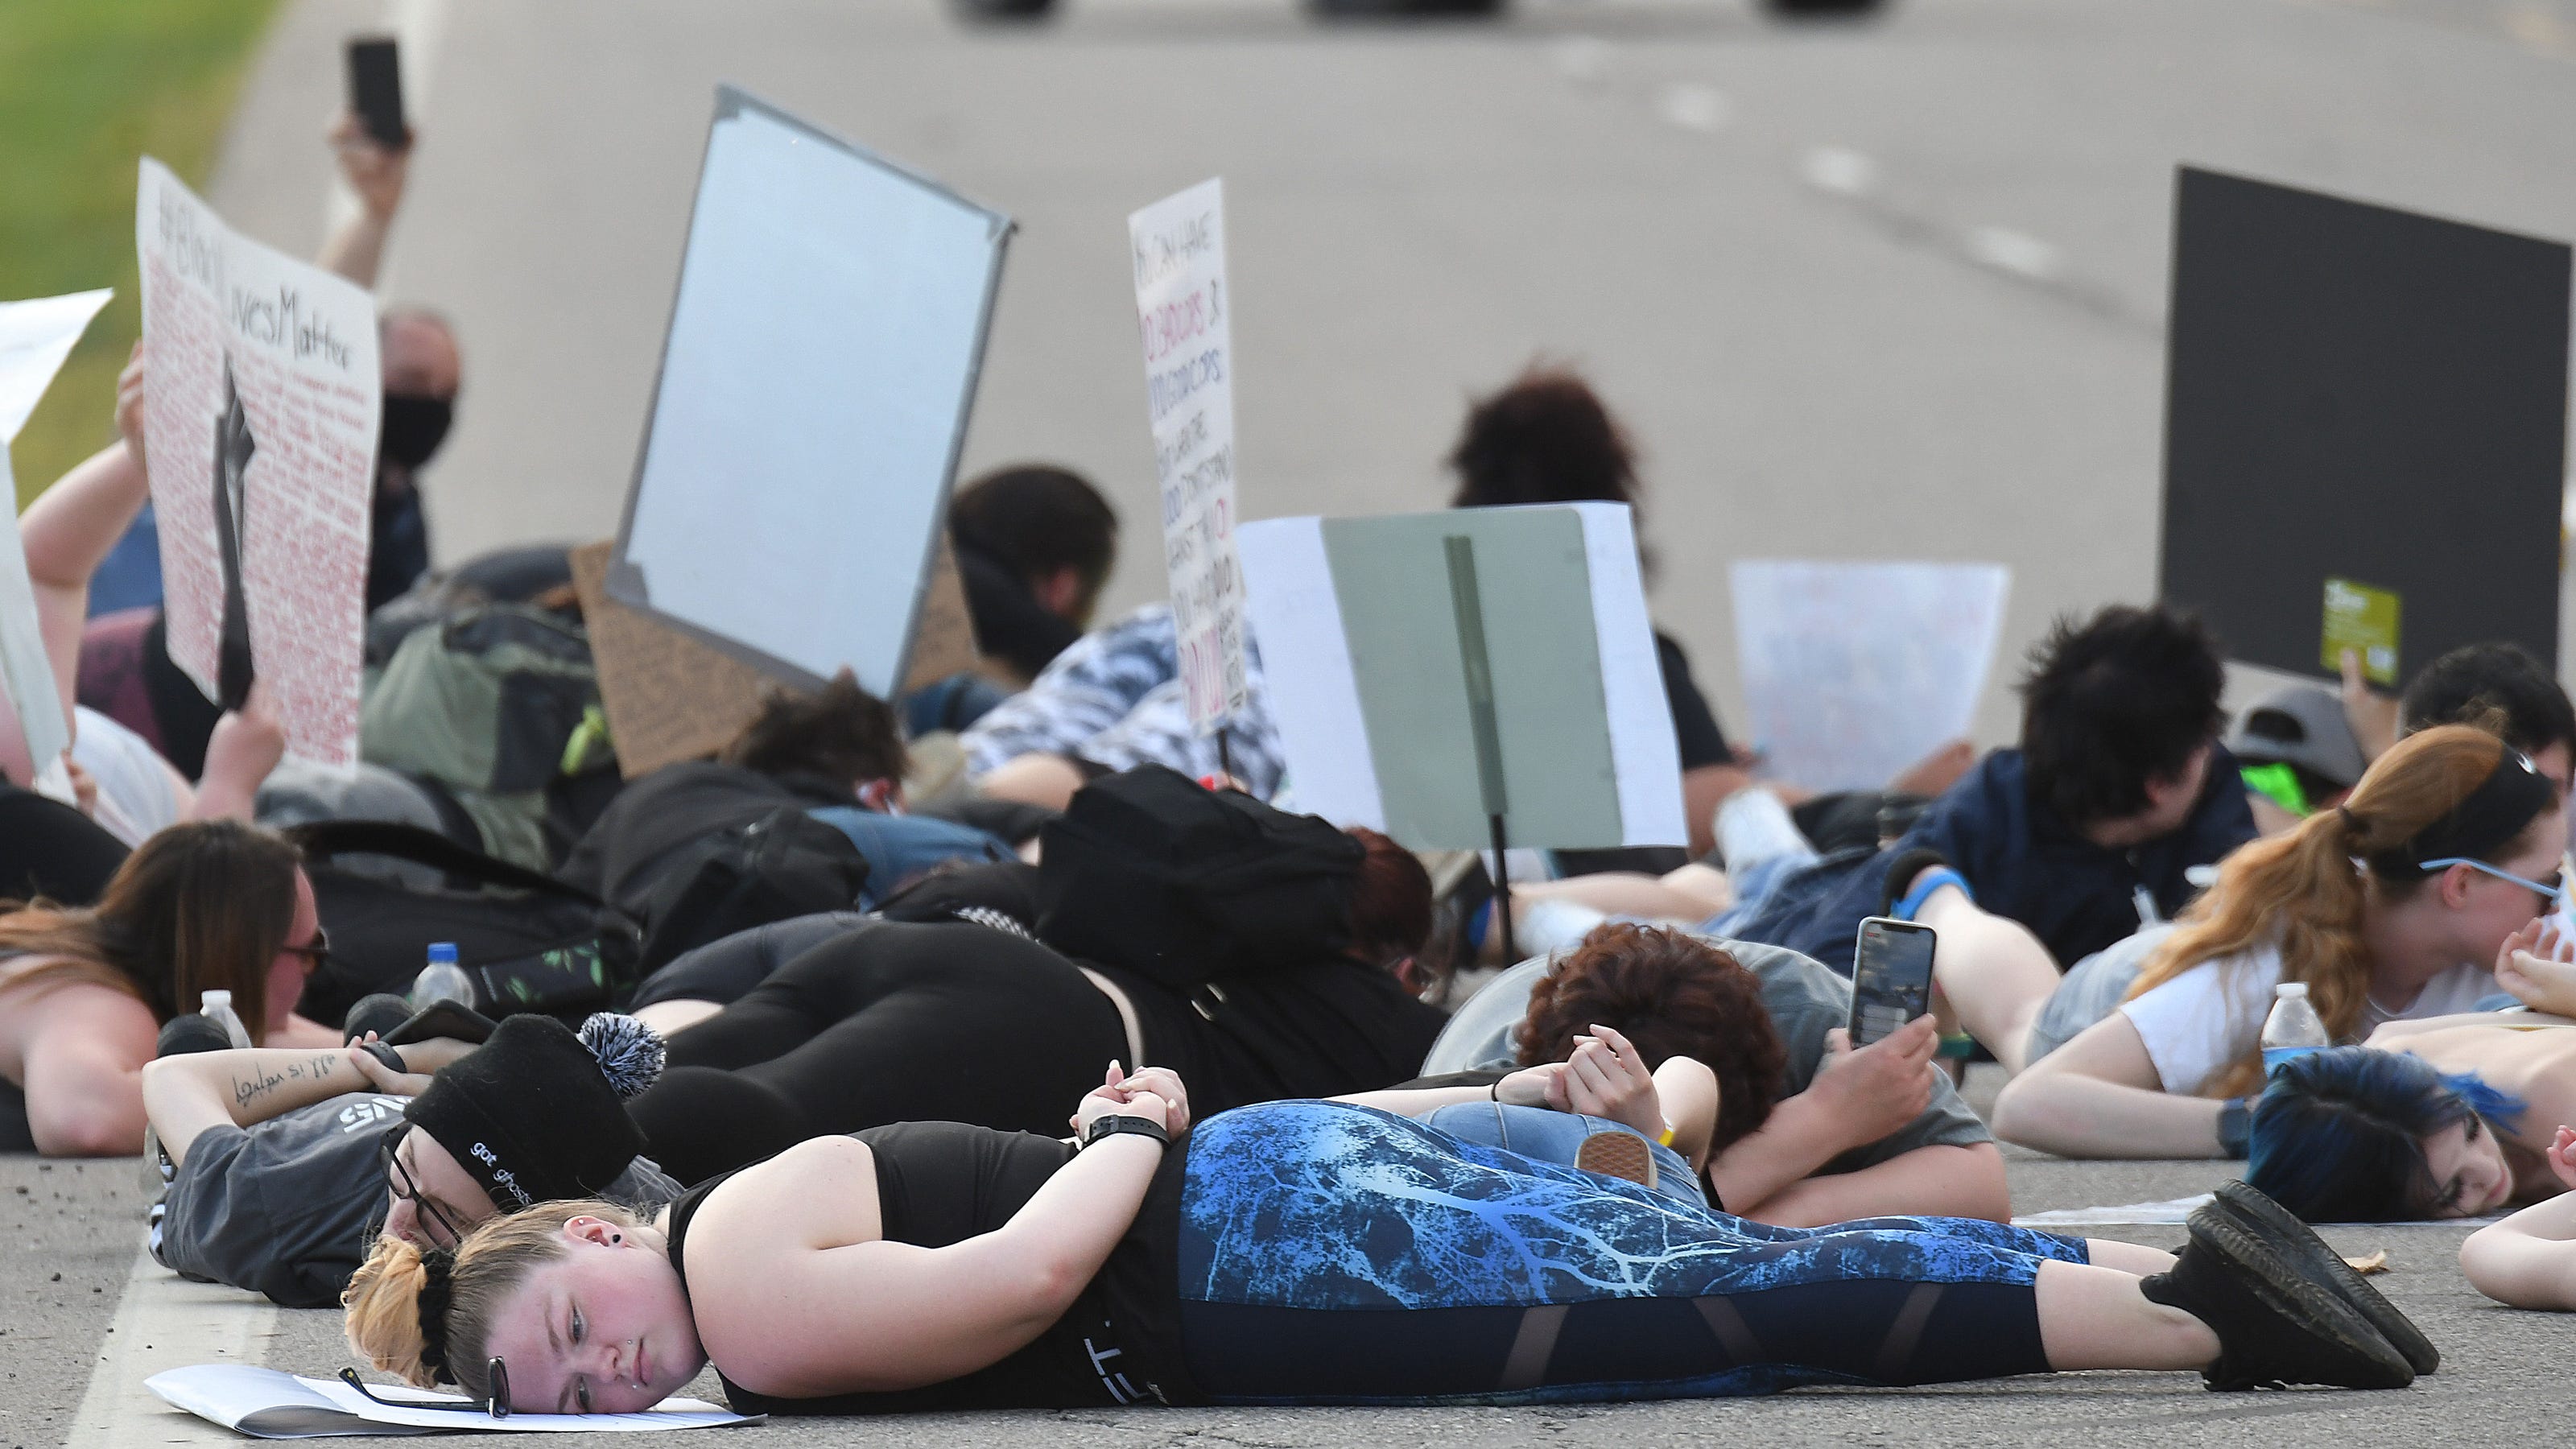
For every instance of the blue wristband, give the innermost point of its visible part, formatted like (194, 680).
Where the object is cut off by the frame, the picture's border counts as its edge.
(1924, 885)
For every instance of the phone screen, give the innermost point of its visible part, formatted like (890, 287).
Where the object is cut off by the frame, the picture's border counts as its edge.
(375, 90)
(1891, 977)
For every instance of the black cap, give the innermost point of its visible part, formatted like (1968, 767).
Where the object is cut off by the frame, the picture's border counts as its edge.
(533, 1114)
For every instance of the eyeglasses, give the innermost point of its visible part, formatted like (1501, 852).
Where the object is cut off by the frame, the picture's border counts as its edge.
(400, 1178)
(2552, 890)
(317, 951)
(498, 1406)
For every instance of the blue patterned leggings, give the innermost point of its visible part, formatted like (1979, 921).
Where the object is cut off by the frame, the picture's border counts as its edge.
(1338, 1254)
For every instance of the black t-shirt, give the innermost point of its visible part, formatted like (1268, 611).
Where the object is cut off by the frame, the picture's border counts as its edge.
(1694, 724)
(48, 849)
(1010, 624)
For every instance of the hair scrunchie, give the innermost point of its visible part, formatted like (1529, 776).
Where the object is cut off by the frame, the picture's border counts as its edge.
(437, 1290)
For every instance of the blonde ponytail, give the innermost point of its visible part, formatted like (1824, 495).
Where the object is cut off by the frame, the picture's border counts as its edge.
(2308, 893)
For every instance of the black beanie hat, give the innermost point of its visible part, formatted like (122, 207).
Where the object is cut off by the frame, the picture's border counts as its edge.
(538, 1114)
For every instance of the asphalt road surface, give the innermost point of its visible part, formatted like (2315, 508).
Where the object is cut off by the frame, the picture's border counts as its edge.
(1860, 291)
(1882, 290)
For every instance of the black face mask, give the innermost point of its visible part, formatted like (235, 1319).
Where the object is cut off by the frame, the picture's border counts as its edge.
(414, 425)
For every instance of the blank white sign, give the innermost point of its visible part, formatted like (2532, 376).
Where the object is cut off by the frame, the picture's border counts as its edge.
(814, 391)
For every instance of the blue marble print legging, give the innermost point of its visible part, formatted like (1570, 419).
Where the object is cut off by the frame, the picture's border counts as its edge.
(1338, 1254)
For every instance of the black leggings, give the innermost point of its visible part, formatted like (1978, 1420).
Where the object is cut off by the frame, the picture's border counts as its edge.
(1869, 1331)
(894, 1022)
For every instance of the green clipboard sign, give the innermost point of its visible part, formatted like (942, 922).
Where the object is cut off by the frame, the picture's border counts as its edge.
(2364, 620)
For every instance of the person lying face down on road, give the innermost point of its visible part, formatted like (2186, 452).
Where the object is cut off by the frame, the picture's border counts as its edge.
(933, 1266)
(1809, 1130)
(1266, 968)
(84, 993)
(2409, 901)
(285, 1164)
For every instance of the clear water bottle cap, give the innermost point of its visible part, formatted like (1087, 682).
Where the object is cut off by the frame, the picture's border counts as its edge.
(446, 951)
(2286, 991)
(212, 1001)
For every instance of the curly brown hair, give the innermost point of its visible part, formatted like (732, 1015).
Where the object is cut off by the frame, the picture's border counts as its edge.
(1673, 995)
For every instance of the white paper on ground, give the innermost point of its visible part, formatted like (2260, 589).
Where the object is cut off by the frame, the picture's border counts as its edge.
(1853, 671)
(2173, 1212)
(300, 346)
(275, 1405)
(35, 337)
(1183, 311)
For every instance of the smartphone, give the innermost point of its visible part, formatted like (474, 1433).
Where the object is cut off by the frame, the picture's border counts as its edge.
(1891, 977)
(375, 89)
(442, 1019)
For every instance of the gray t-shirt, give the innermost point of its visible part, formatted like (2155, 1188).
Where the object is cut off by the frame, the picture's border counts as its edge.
(284, 1207)
(1805, 1001)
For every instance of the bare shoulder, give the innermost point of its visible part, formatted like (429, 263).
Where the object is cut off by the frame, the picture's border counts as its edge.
(820, 1193)
(115, 1021)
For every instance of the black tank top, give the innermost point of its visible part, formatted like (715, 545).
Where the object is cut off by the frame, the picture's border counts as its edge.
(940, 1183)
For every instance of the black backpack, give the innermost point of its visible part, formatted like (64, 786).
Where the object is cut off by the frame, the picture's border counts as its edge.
(786, 863)
(1153, 872)
(531, 943)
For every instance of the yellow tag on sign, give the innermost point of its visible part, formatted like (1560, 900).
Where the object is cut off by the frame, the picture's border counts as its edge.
(2364, 620)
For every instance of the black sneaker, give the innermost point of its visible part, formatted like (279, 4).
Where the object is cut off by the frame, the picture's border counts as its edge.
(2282, 1232)
(2275, 1326)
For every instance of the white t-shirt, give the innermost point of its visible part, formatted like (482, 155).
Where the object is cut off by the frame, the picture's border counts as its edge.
(2204, 1020)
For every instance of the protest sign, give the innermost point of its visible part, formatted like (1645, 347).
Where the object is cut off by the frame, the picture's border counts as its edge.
(1366, 642)
(671, 698)
(814, 390)
(1853, 671)
(260, 430)
(1177, 248)
(2364, 408)
(270, 1404)
(35, 337)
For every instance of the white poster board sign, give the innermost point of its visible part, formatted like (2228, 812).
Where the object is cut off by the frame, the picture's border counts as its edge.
(1177, 247)
(815, 383)
(35, 337)
(1364, 665)
(260, 434)
(270, 1404)
(1853, 671)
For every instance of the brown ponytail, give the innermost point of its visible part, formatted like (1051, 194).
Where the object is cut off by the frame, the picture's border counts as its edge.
(2306, 892)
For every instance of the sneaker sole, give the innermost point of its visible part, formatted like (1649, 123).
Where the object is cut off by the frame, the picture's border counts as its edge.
(2294, 1240)
(1617, 1154)
(2373, 1362)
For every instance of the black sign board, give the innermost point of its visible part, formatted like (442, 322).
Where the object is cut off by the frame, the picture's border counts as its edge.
(2365, 428)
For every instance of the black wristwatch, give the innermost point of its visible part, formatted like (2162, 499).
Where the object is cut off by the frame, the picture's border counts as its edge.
(2235, 1126)
(1118, 1124)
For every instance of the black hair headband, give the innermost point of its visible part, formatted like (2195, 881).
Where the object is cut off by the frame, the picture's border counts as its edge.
(2512, 795)
(437, 1290)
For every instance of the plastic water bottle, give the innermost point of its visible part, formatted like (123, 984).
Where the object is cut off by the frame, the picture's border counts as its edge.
(2293, 1029)
(217, 1007)
(441, 980)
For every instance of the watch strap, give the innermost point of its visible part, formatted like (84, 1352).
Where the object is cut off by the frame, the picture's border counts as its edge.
(1120, 1125)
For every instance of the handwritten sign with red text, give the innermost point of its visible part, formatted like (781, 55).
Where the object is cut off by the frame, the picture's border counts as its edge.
(260, 430)
(1178, 248)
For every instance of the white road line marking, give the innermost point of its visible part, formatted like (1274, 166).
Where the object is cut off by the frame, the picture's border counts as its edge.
(2007, 250)
(164, 1321)
(1840, 170)
(1694, 107)
(1583, 59)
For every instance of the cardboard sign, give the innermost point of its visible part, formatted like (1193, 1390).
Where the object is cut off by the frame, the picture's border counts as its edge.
(2368, 408)
(815, 384)
(1384, 665)
(260, 433)
(1853, 671)
(671, 698)
(1177, 248)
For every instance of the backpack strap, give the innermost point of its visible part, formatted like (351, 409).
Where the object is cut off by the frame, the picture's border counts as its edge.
(324, 839)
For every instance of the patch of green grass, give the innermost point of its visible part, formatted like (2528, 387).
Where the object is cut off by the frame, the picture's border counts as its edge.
(86, 88)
